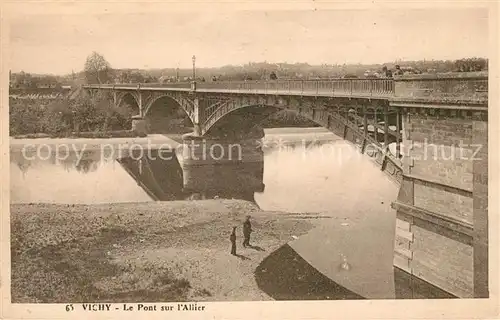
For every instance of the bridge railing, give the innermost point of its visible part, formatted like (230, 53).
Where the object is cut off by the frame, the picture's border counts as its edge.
(174, 85)
(449, 88)
(330, 87)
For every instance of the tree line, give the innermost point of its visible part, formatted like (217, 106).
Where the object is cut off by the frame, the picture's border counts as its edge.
(98, 70)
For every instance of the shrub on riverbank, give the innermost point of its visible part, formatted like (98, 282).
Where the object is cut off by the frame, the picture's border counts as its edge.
(94, 115)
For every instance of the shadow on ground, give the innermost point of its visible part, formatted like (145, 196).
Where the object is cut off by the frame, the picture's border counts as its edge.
(242, 257)
(257, 248)
(284, 275)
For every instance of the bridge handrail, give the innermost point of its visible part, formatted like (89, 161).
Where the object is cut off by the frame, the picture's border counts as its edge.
(330, 87)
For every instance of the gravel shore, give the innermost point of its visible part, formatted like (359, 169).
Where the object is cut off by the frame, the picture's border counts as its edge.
(160, 251)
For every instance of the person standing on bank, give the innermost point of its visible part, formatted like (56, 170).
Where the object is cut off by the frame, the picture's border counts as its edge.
(247, 229)
(233, 241)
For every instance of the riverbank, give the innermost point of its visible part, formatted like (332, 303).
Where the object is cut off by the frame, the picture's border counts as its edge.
(159, 140)
(82, 135)
(152, 141)
(161, 251)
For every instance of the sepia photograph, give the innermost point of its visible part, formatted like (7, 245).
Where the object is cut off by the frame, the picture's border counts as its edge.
(162, 160)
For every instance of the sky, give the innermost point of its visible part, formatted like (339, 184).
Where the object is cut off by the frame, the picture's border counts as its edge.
(60, 43)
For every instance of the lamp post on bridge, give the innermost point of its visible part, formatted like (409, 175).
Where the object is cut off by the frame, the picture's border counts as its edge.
(194, 66)
(193, 83)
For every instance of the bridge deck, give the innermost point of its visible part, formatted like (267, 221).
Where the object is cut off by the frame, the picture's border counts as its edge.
(457, 89)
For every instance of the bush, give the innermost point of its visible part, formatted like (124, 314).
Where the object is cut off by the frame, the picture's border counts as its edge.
(63, 117)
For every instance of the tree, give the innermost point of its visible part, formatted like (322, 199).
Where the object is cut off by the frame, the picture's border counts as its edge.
(97, 69)
(273, 76)
(471, 64)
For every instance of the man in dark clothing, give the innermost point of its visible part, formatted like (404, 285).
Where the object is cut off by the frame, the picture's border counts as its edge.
(398, 71)
(247, 229)
(386, 72)
(233, 241)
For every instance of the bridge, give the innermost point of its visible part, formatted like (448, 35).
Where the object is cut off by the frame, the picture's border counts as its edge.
(437, 124)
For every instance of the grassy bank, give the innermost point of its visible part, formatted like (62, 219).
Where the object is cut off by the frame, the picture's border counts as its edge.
(162, 251)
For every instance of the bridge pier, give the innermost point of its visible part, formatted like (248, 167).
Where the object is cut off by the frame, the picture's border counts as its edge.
(214, 165)
(217, 150)
(139, 125)
(442, 217)
(480, 204)
(197, 130)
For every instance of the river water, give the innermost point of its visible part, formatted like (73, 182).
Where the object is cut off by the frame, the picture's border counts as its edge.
(303, 170)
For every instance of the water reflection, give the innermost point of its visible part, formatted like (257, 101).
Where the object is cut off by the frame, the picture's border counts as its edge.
(163, 178)
(160, 179)
(229, 181)
(85, 177)
(275, 179)
(94, 177)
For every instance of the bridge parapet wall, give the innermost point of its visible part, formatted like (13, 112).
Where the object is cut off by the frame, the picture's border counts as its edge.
(456, 88)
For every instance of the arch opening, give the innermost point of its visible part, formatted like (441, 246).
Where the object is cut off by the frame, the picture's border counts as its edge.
(249, 119)
(129, 102)
(126, 108)
(166, 116)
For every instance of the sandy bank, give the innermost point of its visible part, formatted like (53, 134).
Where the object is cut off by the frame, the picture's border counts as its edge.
(157, 140)
(162, 251)
(76, 144)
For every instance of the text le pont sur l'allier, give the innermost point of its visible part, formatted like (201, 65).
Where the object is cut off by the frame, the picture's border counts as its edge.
(142, 307)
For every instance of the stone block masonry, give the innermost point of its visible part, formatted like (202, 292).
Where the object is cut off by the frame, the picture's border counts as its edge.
(445, 153)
